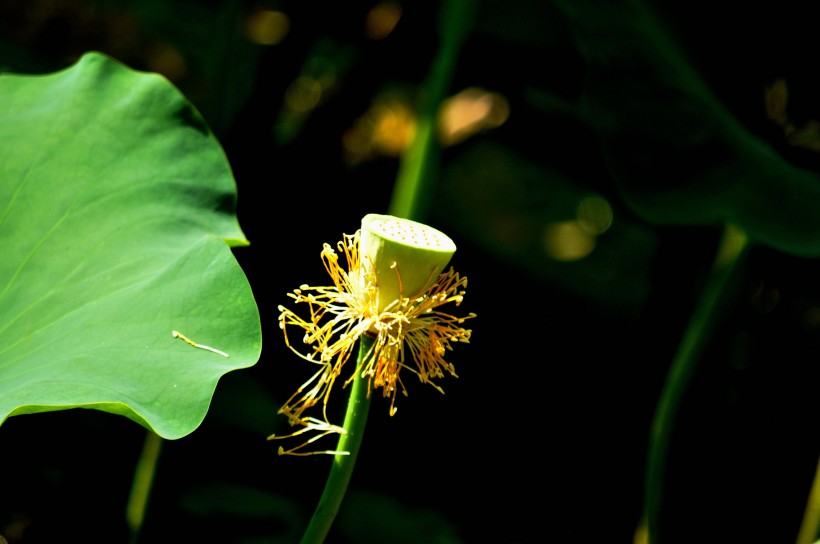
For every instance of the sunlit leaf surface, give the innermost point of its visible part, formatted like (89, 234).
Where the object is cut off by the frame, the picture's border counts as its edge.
(116, 203)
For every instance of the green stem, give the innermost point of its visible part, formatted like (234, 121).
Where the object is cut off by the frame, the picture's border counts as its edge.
(682, 370)
(414, 179)
(810, 527)
(342, 468)
(141, 486)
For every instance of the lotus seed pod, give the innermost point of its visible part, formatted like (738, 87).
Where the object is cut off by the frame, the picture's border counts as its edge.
(406, 257)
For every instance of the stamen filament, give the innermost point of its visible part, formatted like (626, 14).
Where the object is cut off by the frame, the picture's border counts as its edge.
(341, 314)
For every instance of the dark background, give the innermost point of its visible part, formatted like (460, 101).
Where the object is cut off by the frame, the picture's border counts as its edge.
(543, 436)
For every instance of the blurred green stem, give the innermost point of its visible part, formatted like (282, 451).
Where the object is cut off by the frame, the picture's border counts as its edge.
(810, 528)
(412, 191)
(729, 256)
(342, 468)
(141, 486)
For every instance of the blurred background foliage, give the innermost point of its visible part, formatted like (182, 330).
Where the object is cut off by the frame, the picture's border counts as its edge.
(582, 277)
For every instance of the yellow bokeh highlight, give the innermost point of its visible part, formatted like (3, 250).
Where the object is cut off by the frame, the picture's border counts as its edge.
(267, 27)
(166, 60)
(567, 241)
(386, 129)
(394, 128)
(471, 111)
(389, 126)
(382, 19)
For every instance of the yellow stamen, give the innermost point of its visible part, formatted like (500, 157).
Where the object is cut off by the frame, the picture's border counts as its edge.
(338, 315)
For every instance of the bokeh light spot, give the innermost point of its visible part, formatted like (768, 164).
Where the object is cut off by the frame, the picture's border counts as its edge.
(382, 19)
(567, 241)
(470, 111)
(267, 27)
(594, 215)
(166, 60)
(303, 94)
(386, 129)
(395, 127)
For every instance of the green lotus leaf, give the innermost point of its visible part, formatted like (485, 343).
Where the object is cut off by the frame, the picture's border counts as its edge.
(116, 203)
(680, 156)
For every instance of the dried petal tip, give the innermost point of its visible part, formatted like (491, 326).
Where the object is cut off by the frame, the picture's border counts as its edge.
(404, 258)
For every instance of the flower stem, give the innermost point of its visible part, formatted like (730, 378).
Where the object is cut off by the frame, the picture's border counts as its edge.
(342, 468)
(141, 487)
(810, 527)
(414, 179)
(682, 369)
